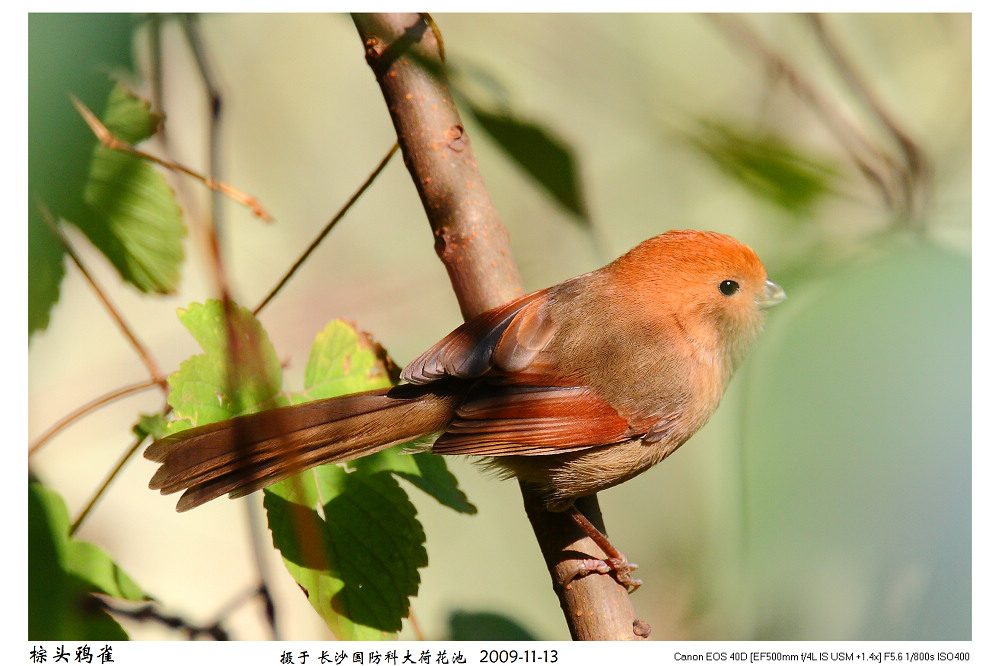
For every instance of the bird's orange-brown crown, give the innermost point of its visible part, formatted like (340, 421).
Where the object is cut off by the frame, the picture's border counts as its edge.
(684, 256)
(707, 280)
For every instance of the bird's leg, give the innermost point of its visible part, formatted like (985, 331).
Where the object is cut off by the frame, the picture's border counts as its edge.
(616, 564)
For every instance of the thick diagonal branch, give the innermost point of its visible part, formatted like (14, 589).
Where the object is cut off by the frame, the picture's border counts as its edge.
(404, 53)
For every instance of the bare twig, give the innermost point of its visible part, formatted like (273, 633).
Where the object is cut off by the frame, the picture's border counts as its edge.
(238, 600)
(914, 179)
(156, 63)
(322, 234)
(144, 354)
(104, 486)
(111, 477)
(110, 141)
(116, 315)
(474, 247)
(149, 613)
(83, 410)
(418, 633)
(193, 34)
(876, 165)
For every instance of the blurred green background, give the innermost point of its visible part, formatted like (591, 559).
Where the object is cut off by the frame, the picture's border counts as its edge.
(828, 499)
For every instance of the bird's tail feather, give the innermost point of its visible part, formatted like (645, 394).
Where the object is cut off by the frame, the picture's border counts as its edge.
(245, 454)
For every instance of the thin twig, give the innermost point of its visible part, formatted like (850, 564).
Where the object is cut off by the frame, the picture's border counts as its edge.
(111, 476)
(148, 612)
(104, 486)
(155, 27)
(259, 541)
(235, 602)
(83, 410)
(110, 141)
(914, 179)
(873, 163)
(193, 34)
(336, 218)
(145, 355)
(417, 631)
(119, 318)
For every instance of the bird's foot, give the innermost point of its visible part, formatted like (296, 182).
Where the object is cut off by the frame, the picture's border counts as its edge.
(618, 567)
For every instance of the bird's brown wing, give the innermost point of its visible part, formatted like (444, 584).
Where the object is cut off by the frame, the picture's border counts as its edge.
(521, 405)
(508, 420)
(467, 352)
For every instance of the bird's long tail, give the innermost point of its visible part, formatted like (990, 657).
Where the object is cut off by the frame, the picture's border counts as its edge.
(245, 454)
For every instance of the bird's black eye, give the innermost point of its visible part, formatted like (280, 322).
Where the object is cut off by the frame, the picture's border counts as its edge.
(729, 287)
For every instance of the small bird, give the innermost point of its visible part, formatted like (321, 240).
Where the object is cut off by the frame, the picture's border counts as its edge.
(571, 389)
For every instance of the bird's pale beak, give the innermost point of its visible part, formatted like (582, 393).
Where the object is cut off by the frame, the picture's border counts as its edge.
(773, 294)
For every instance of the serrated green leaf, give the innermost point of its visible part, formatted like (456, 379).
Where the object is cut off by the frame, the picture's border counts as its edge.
(63, 572)
(350, 539)
(766, 165)
(343, 360)
(547, 158)
(358, 561)
(131, 214)
(426, 471)
(220, 384)
(130, 118)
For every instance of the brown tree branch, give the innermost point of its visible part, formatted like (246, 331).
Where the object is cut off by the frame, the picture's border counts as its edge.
(473, 245)
(469, 237)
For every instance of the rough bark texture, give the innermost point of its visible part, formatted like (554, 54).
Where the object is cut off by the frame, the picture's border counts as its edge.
(403, 52)
(469, 237)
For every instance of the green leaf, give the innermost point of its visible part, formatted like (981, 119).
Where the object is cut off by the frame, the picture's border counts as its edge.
(129, 118)
(426, 471)
(63, 572)
(546, 157)
(150, 425)
(485, 626)
(67, 53)
(342, 361)
(220, 384)
(131, 214)
(93, 565)
(766, 165)
(45, 269)
(350, 539)
(356, 561)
